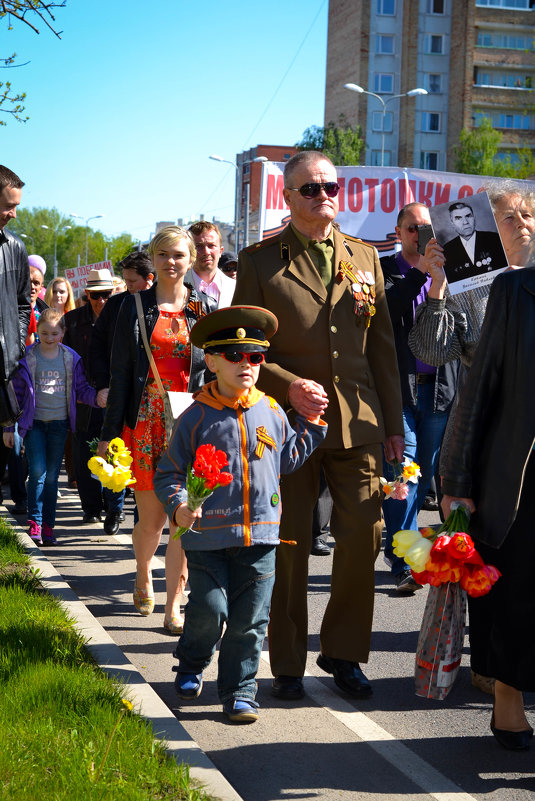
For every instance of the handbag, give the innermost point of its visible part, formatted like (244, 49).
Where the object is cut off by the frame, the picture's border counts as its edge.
(174, 403)
(440, 642)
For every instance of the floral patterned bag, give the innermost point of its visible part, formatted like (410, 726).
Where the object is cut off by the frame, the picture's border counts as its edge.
(441, 639)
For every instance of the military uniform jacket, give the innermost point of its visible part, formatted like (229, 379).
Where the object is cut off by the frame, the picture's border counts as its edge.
(321, 338)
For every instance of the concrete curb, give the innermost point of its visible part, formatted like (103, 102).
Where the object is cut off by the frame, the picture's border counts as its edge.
(113, 662)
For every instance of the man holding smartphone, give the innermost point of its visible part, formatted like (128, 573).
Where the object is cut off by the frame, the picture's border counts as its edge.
(427, 391)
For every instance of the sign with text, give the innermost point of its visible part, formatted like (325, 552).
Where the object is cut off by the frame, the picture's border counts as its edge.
(370, 198)
(77, 276)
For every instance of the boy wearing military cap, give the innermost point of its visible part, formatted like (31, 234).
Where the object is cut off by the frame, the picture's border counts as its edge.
(231, 545)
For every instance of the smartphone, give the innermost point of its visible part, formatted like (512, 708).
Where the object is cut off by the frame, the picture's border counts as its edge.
(425, 233)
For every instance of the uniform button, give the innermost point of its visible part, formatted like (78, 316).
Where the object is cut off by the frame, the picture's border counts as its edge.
(335, 354)
(334, 329)
(336, 379)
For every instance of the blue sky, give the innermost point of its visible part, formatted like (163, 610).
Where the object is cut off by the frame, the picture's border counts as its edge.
(126, 108)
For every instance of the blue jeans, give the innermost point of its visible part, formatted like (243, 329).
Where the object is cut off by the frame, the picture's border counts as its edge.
(424, 430)
(44, 445)
(232, 586)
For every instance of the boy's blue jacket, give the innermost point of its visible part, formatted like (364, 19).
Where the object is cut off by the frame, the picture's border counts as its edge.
(247, 511)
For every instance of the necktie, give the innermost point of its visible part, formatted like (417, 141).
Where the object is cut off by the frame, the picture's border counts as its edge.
(322, 258)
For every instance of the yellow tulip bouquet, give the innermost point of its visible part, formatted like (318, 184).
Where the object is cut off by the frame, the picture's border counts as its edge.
(113, 472)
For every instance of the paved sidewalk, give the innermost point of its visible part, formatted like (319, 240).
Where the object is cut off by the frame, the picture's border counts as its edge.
(327, 746)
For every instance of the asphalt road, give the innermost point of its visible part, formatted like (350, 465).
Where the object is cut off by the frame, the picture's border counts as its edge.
(327, 746)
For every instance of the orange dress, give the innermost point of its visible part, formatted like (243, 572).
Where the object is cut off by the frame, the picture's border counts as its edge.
(171, 350)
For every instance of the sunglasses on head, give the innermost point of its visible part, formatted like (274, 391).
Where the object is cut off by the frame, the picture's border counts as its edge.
(236, 357)
(331, 189)
(105, 294)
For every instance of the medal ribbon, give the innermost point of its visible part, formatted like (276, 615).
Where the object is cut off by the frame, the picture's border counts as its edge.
(263, 439)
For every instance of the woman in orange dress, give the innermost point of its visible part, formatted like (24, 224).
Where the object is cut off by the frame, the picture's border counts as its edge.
(135, 407)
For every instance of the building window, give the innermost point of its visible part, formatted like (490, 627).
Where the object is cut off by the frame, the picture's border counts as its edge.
(377, 121)
(435, 6)
(383, 83)
(384, 44)
(434, 44)
(376, 158)
(433, 83)
(500, 119)
(430, 122)
(503, 40)
(387, 7)
(428, 160)
(521, 4)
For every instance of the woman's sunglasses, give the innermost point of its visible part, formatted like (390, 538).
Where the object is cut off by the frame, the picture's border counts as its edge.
(331, 189)
(236, 357)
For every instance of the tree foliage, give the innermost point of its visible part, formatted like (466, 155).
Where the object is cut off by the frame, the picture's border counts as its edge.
(477, 154)
(35, 14)
(339, 141)
(70, 240)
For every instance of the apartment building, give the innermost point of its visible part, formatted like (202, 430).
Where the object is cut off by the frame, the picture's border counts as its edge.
(473, 58)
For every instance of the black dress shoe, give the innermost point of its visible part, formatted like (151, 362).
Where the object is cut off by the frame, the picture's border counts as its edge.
(90, 519)
(289, 688)
(347, 675)
(111, 523)
(320, 548)
(512, 740)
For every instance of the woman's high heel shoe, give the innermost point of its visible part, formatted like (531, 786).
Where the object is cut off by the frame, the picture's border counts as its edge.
(143, 601)
(512, 740)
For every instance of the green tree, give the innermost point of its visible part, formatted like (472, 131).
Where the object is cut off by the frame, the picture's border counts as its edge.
(339, 141)
(32, 13)
(43, 229)
(477, 154)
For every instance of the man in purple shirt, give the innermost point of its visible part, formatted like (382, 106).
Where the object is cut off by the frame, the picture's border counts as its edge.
(427, 391)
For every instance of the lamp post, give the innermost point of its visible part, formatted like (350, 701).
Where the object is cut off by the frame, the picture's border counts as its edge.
(353, 87)
(237, 199)
(95, 217)
(57, 230)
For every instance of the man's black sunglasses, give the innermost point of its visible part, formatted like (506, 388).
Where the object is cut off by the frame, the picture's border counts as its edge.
(96, 295)
(331, 189)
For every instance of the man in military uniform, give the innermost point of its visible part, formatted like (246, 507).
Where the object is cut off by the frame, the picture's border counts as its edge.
(333, 354)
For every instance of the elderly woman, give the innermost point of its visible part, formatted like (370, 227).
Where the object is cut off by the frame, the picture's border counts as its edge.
(491, 468)
(448, 328)
(59, 295)
(135, 407)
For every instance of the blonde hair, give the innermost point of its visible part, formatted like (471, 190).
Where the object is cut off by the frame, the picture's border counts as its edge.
(52, 317)
(168, 236)
(69, 303)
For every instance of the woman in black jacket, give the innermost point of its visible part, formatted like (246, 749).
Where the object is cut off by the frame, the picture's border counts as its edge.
(491, 468)
(135, 407)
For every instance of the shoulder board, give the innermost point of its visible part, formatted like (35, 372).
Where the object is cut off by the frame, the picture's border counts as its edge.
(262, 244)
(356, 239)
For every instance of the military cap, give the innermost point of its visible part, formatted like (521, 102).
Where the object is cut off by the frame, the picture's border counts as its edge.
(242, 328)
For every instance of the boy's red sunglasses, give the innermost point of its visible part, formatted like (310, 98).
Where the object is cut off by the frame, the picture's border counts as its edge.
(236, 357)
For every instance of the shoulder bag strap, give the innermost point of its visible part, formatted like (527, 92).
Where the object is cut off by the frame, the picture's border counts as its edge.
(142, 328)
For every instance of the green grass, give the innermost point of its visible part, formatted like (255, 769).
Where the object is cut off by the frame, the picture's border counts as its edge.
(67, 735)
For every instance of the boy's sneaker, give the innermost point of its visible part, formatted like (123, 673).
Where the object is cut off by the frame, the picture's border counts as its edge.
(241, 710)
(47, 533)
(34, 532)
(188, 686)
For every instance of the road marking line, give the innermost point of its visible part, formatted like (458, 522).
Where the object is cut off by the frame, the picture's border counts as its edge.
(399, 755)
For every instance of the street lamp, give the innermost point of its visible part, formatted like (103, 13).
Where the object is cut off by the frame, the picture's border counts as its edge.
(237, 199)
(57, 230)
(353, 87)
(95, 217)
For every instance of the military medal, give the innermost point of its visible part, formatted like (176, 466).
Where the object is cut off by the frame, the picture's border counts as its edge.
(362, 288)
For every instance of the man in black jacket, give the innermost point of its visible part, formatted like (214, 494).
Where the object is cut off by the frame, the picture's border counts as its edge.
(427, 391)
(15, 308)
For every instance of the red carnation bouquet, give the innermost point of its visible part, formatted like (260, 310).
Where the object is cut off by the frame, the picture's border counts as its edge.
(204, 478)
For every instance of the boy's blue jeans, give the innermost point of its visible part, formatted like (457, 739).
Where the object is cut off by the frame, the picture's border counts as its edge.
(44, 444)
(232, 586)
